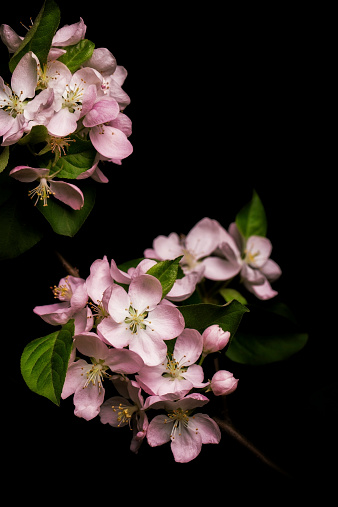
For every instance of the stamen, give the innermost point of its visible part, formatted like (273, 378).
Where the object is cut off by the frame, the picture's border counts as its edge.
(42, 191)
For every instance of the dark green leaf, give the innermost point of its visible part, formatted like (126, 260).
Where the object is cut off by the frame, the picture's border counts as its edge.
(63, 219)
(18, 231)
(203, 315)
(270, 334)
(38, 134)
(79, 158)
(251, 219)
(166, 273)
(261, 349)
(39, 38)
(44, 362)
(4, 156)
(77, 54)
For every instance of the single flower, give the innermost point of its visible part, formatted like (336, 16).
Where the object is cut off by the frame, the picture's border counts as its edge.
(223, 382)
(177, 373)
(186, 431)
(85, 379)
(65, 192)
(141, 320)
(214, 339)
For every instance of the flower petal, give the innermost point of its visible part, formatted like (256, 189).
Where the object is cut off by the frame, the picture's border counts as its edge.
(27, 174)
(188, 347)
(167, 321)
(145, 292)
(67, 193)
(186, 443)
(159, 430)
(25, 77)
(203, 238)
(110, 142)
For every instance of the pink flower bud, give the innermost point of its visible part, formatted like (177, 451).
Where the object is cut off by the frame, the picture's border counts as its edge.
(223, 382)
(214, 339)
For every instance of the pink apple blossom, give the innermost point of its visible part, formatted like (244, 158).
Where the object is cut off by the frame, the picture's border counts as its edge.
(199, 243)
(186, 432)
(250, 258)
(13, 99)
(214, 339)
(65, 192)
(72, 293)
(118, 411)
(222, 383)
(141, 320)
(177, 373)
(85, 380)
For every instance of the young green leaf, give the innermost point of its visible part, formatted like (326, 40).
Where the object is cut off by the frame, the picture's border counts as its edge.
(39, 38)
(201, 316)
(44, 362)
(77, 54)
(251, 219)
(166, 273)
(229, 294)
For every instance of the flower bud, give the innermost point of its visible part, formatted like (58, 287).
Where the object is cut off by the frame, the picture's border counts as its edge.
(214, 339)
(223, 382)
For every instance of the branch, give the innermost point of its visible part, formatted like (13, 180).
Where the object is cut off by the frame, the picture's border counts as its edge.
(68, 267)
(227, 426)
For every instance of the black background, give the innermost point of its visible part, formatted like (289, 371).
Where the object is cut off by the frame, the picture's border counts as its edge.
(222, 102)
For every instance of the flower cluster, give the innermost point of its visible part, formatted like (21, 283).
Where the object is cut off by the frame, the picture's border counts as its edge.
(87, 103)
(211, 252)
(128, 336)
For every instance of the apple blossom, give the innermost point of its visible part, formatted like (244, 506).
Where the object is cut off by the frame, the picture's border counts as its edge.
(250, 258)
(186, 432)
(178, 373)
(65, 192)
(72, 293)
(13, 100)
(222, 382)
(119, 411)
(214, 339)
(140, 319)
(199, 243)
(85, 380)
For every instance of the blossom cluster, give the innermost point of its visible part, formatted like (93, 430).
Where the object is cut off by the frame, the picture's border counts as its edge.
(128, 333)
(88, 103)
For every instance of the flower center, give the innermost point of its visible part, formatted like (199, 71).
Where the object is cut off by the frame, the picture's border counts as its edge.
(96, 373)
(250, 257)
(174, 370)
(124, 414)
(136, 320)
(72, 98)
(63, 292)
(13, 105)
(189, 261)
(42, 192)
(98, 311)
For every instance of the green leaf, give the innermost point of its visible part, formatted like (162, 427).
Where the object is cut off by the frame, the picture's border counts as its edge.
(18, 231)
(80, 157)
(77, 54)
(38, 134)
(39, 38)
(260, 349)
(203, 315)
(166, 273)
(229, 294)
(44, 362)
(251, 219)
(270, 334)
(4, 157)
(63, 219)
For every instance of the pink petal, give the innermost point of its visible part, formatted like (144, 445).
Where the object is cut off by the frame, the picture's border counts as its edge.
(167, 247)
(6, 122)
(105, 110)
(55, 314)
(114, 333)
(102, 60)
(27, 174)
(74, 378)
(67, 193)
(186, 444)
(271, 270)
(70, 34)
(188, 347)
(149, 346)
(99, 279)
(110, 142)
(145, 292)
(207, 428)
(63, 123)
(124, 361)
(159, 430)
(25, 77)
(203, 238)
(89, 344)
(220, 269)
(167, 321)
(88, 401)
(119, 304)
(118, 275)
